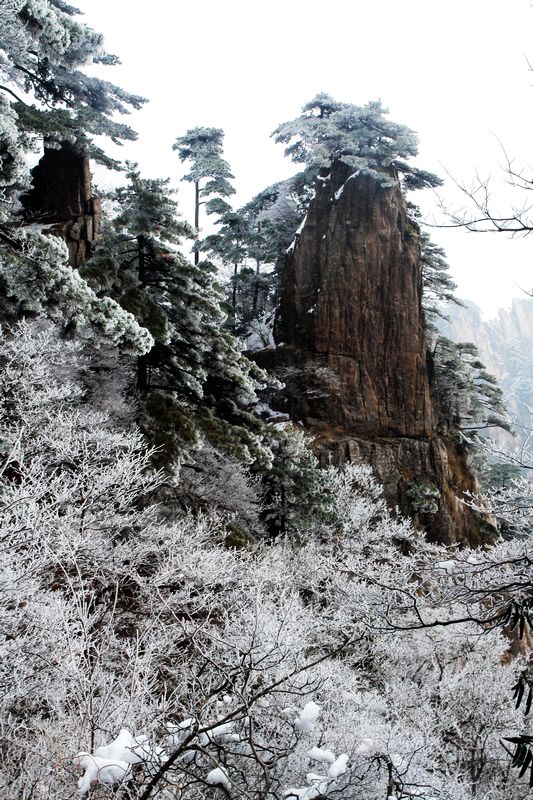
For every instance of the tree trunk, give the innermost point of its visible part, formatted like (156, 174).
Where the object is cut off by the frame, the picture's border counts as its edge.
(234, 296)
(141, 264)
(196, 217)
(142, 361)
(142, 373)
(256, 287)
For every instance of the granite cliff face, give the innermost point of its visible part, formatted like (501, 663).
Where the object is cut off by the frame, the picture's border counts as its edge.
(351, 299)
(352, 352)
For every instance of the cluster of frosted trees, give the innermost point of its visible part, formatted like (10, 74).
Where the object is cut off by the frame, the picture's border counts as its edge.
(140, 654)
(144, 658)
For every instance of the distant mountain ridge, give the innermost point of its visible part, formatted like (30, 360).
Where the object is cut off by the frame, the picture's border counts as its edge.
(505, 345)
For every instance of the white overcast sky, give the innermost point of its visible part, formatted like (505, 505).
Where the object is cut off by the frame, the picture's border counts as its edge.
(456, 72)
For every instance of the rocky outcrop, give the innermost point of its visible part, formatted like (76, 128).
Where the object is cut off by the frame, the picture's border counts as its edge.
(424, 478)
(61, 199)
(350, 300)
(352, 353)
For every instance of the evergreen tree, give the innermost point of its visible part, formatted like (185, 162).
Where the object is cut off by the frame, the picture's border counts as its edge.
(46, 97)
(240, 245)
(360, 136)
(469, 397)
(275, 214)
(437, 285)
(36, 279)
(44, 49)
(194, 381)
(232, 245)
(296, 492)
(252, 241)
(209, 173)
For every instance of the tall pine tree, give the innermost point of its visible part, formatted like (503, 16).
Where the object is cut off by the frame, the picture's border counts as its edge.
(195, 381)
(209, 172)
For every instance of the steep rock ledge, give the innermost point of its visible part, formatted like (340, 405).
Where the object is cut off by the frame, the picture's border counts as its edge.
(352, 352)
(61, 199)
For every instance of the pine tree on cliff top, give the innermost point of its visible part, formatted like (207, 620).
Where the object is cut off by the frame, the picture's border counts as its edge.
(44, 49)
(360, 136)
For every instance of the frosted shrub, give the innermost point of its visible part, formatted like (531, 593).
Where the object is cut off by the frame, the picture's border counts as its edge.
(146, 659)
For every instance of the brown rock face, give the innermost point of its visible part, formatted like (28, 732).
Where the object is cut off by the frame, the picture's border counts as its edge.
(351, 299)
(352, 352)
(61, 196)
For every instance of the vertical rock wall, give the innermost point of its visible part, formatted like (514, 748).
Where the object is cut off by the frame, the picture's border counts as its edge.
(352, 352)
(351, 297)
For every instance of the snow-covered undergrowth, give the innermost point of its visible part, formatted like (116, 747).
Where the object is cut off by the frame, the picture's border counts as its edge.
(142, 658)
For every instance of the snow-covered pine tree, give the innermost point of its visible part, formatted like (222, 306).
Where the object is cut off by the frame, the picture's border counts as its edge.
(469, 398)
(35, 277)
(295, 492)
(438, 288)
(45, 49)
(46, 97)
(209, 172)
(195, 380)
(360, 136)
(251, 242)
(231, 244)
(275, 213)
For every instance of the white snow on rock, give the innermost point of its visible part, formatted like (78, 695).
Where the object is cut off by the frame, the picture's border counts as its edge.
(448, 566)
(101, 770)
(177, 732)
(338, 767)
(302, 224)
(224, 733)
(264, 410)
(125, 748)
